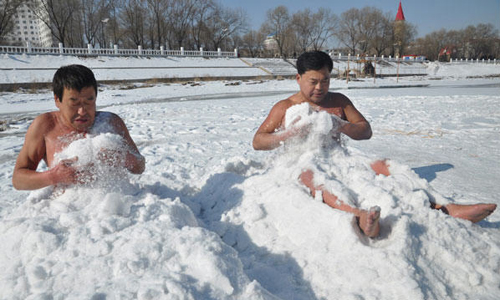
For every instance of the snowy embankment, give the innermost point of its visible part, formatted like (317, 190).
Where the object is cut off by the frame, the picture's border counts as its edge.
(211, 218)
(18, 69)
(41, 68)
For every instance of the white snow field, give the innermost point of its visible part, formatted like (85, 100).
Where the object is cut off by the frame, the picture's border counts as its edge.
(211, 218)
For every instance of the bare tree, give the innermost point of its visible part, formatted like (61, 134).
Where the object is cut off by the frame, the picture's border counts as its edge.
(302, 24)
(481, 40)
(312, 30)
(95, 17)
(370, 19)
(133, 20)
(473, 42)
(349, 29)
(455, 40)
(7, 11)
(382, 39)
(404, 33)
(180, 15)
(223, 24)
(199, 30)
(158, 10)
(112, 28)
(278, 24)
(431, 44)
(325, 23)
(75, 31)
(252, 42)
(57, 15)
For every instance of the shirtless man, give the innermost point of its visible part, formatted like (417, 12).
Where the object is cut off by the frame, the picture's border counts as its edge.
(75, 92)
(313, 78)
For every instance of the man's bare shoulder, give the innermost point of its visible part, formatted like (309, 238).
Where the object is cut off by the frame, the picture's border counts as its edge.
(108, 122)
(106, 115)
(338, 100)
(44, 123)
(284, 104)
(279, 110)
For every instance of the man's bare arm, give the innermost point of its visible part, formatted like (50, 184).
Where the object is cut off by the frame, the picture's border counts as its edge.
(25, 176)
(267, 137)
(358, 127)
(134, 161)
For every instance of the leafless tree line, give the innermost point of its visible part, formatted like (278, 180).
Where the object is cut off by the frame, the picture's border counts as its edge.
(193, 24)
(473, 42)
(128, 23)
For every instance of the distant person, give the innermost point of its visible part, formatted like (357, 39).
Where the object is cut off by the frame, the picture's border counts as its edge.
(75, 93)
(313, 78)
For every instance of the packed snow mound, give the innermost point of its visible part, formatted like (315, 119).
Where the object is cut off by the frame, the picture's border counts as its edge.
(127, 243)
(299, 248)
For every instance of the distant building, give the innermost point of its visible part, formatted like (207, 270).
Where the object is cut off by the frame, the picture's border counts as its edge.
(28, 27)
(270, 42)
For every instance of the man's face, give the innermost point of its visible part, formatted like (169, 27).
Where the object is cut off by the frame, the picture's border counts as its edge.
(314, 84)
(78, 108)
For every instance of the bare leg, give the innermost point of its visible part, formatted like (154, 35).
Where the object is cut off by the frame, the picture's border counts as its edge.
(380, 167)
(368, 220)
(472, 212)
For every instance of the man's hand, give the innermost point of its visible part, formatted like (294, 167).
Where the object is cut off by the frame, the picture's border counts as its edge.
(112, 158)
(337, 123)
(64, 172)
(299, 130)
(134, 162)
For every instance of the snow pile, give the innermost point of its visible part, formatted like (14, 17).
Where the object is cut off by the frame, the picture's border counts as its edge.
(88, 242)
(299, 248)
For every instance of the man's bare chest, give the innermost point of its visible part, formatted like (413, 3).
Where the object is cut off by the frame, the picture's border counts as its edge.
(338, 111)
(57, 140)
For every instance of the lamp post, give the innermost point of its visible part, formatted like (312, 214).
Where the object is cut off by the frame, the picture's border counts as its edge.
(223, 37)
(103, 24)
(363, 47)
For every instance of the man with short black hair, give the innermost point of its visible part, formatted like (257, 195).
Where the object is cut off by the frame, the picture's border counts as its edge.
(75, 93)
(313, 78)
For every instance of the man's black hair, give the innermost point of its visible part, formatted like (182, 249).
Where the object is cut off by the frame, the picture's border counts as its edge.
(313, 60)
(73, 77)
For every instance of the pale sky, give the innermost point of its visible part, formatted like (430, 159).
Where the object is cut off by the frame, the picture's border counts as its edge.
(426, 15)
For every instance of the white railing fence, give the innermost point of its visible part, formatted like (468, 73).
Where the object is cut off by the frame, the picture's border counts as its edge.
(358, 57)
(407, 59)
(484, 61)
(115, 51)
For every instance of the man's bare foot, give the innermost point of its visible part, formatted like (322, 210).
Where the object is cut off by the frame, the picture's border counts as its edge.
(473, 213)
(368, 221)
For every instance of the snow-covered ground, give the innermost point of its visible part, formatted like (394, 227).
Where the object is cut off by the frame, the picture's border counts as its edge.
(211, 218)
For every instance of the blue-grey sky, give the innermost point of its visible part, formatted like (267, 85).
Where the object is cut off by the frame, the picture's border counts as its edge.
(426, 15)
